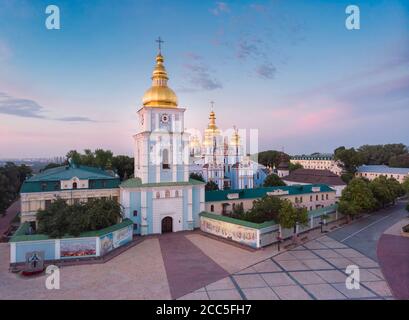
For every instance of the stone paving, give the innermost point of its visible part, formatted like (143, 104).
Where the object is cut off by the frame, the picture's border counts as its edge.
(313, 271)
(393, 255)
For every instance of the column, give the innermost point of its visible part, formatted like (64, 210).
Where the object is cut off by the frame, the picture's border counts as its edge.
(144, 218)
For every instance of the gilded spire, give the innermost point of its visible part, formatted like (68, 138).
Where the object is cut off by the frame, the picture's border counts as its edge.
(235, 139)
(160, 95)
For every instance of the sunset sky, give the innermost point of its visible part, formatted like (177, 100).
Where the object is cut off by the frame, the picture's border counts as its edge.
(287, 68)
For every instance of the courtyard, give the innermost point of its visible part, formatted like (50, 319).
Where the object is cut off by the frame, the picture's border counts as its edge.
(191, 265)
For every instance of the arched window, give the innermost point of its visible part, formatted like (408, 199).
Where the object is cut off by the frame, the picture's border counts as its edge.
(167, 194)
(176, 193)
(212, 208)
(165, 159)
(74, 185)
(157, 195)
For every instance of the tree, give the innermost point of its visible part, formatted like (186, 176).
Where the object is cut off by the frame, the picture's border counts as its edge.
(395, 188)
(381, 154)
(350, 159)
(381, 191)
(265, 209)
(196, 176)
(273, 180)
(357, 198)
(51, 165)
(11, 178)
(211, 186)
(294, 166)
(289, 216)
(61, 219)
(270, 158)
(124, 166)
(405, 185)
(400, 161)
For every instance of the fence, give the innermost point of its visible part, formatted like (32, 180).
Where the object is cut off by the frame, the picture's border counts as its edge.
(87, 245)
(257, 235)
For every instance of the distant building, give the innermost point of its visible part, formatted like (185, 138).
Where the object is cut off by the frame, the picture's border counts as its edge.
(318, 162)
(283, 169)
(312, 176)
(73, 183)
(223, 160)
(373, 171)
(308, 196)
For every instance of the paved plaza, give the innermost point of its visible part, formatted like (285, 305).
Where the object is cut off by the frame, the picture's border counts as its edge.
(315, 270)
(191, 265)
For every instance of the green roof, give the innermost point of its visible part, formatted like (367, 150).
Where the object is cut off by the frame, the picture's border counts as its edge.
(221, 195)
(49, 179)
(20, 234)
(237, 221)
(137, 183)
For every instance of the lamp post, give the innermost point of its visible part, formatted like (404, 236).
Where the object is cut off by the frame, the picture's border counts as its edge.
(279, 239)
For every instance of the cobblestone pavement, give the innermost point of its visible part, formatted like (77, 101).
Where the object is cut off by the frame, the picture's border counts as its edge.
(393, 254)
(315, 270)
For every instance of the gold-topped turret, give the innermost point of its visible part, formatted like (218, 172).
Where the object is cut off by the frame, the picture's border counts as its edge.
(160, 95)
(235, 139)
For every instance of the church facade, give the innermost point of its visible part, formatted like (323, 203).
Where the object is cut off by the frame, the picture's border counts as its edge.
(161, 198)
(221, 159)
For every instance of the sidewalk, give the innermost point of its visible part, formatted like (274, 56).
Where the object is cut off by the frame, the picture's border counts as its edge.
(393, 255)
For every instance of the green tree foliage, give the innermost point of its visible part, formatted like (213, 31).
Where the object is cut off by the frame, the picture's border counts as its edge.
(405, 185)
(400, 161)
(211, 186)
(265, 209)
(289, 216)
(104, 159)
(381, 154)
(124, 166)
(350, 159)
(294, 166)
(11, 179)
(61, 219)
(196, 176)
(273, 180)
(238, 210)
(270, 158)
(357, 198)
(51, 165)
(381, 190)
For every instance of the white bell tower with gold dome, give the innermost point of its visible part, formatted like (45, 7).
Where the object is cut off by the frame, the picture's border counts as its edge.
(161, 197)
(161, 145)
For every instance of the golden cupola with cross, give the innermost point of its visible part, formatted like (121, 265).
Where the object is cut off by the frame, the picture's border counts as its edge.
(159, 94)
(212, 131)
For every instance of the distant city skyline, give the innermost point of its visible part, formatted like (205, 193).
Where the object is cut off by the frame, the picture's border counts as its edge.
(289, 69)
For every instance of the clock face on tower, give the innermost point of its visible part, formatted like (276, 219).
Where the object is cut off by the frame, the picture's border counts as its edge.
(164, 118)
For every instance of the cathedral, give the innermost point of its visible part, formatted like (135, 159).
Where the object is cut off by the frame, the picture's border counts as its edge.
(162, 198)
(221, 158)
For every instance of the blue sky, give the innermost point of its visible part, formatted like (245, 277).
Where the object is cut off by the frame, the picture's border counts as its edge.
(287, 68)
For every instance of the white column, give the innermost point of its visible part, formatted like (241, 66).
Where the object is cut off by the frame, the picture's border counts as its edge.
(98, 246)
(144, 218)
(189, 206)
(13, 252)
(311, 222)
(57, 248)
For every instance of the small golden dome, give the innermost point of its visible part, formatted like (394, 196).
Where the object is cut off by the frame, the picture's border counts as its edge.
(160, 95)
(235, 139)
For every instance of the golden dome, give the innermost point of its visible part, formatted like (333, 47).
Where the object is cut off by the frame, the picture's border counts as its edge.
(160, 95)
(212, 130)
(235, 139)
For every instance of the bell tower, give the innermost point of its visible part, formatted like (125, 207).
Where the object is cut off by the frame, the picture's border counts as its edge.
(161, 145)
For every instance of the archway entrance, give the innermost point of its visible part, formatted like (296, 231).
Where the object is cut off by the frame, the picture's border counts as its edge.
(167, 224)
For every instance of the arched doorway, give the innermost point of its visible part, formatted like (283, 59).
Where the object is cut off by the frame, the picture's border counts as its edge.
(167, 224)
